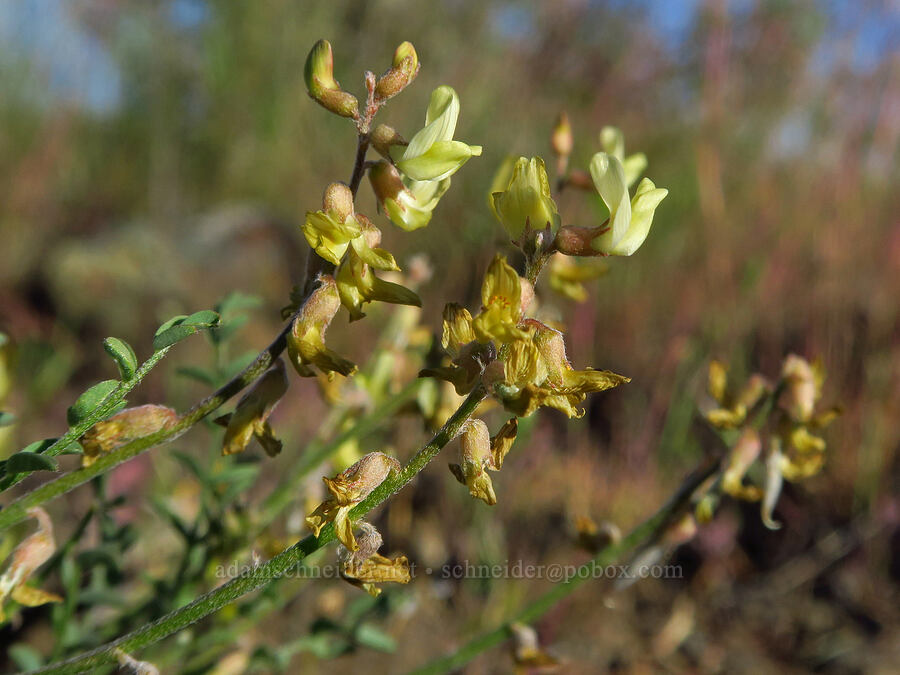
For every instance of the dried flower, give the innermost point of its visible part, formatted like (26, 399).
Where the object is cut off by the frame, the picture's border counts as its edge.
(250, 417)
(479, 452)
(349, 488)
(306, 340)
(124, 427)
(33, 552)
(365, 567)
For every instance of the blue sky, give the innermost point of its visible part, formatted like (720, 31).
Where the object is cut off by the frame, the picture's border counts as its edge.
(67, 64)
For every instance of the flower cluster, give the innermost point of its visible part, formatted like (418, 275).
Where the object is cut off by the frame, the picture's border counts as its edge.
(410, 181)
(520, 360)
(793, 451)
(363, 565)
(529, 214)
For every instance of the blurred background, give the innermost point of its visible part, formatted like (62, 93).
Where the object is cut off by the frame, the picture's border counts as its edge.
(157, 156)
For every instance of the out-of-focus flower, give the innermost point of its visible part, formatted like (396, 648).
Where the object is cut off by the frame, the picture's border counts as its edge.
(33, 552)
(536, 372)
(426, 163)
(365, 567)
(525, 203)
(503, 304)
(561, 140)
(527, 653)
(731, 411)
(567, 277)
(357, 283)
(349, 488)
(593, 537)
(479, 452)
(318, 74)
(795, 452)
(250, 417)
(306, 339)
(124, 427)
(629, 219)
(745, 451)
(612, 141)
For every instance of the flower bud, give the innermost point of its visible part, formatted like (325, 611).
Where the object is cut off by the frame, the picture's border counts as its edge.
(561, 139)
(124, 427)
(383, 138)
(318, 73)
(577, 241)
(386, 182)
(338, 200)
(526, 203)
(403, 71)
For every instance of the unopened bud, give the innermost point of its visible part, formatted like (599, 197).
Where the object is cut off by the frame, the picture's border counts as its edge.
(403, 70)
(338, 200)
(383, 138)
(386, 181)
(318, 73)
(574, 240)
(561, 139)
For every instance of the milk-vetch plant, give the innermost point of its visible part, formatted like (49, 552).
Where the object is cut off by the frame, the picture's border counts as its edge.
(496, 353)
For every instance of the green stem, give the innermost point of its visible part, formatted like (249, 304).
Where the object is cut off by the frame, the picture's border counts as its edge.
(318, 452)
(101, 412)
(649, 530)
(274, 568)
(17, 511)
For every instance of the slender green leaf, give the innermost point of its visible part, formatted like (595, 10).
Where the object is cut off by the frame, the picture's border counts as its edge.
(29, 461)
(204, 318)
(89, 400)
(123, 355)
(179, 327)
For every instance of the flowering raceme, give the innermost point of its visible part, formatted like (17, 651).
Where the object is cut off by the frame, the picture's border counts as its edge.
(521, 361)
(409, 189)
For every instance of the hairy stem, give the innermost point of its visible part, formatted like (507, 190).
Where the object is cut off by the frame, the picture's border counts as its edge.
(648, 531)
(17, 510)
(272, 570)
(101, 412)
